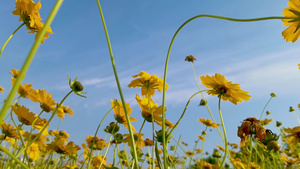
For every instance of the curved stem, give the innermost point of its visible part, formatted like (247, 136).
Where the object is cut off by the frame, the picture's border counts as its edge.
(13, 157)
(1, 51)
(94, 139)
(28, 61)
(186, 106)
(225, 136)
(262, 113)
(118, 84)
(167, 61)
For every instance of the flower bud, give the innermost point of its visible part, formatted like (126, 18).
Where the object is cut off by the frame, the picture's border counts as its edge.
(77, 86)
(268, 112)
(273, 95)
(203, 102)
(273, 145)
(292, 109)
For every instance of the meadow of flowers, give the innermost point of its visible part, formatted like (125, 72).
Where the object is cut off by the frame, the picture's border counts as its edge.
(26, 141)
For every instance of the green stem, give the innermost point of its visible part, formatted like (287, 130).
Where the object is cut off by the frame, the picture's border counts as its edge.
(137, 142)
(186, 106)
(118, 84)
(89, 163)
(13, 157)
(48, 122)
(263, 111)
(249, 160)
(206, 105)
(1, 51)
(28, 61)
(167, 61)
(225, 136)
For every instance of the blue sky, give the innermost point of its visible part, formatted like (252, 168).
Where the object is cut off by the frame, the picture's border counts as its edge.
(253, 55)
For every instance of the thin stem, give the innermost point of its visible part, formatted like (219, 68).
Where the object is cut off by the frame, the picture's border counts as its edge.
(167, 61)
(206, 105)
(28, 61)
(118, 84)
(1, 51)
(225, 136)
(94, 139)
(13, 157)
(250, 154)
(137, 141)
(262, 113)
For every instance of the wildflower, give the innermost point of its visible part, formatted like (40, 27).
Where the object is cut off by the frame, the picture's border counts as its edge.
(86, 151)
(208, 123)
(148, 106)
(29, 14)
(148, 142)
(46, 102)
(148, 83)
(40, 141)
(120, 113)
(254, 166)
(113, 128)
(76, 87)
(201, 137)
(72, 149)
(1, 89)
(198, 150)
(251, 126)
(205, 164)
(237, 162)
(204, 133)
(9, 131)
(26, 91)
(265, 121)
(293, 135)
(223, 89)
(190, 58)
(141, 142)
(221, 148)
(189, 153)
(234, 145)
(95, 143)
(216, 154)
(62, 110)
(291, 33)
(184, 143)
(97, 160)
(33, 151)
(15, 74)
(71, 166)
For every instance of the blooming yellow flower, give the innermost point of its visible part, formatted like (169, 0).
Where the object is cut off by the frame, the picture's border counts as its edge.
(147, 105)
(1, 89)
(40, 141)
(26, 91)
(9, 130)
(237, 162)
(292, 33)
(128, 140)
(201, 138)
(189, 153)
(148, 83)
(120, 113)
(28, 11)
(46, 102)
(99, 144)
(33, 151)
(293, 135)
(97, 160)
(223, 89)
(62, 110)
(208, 123)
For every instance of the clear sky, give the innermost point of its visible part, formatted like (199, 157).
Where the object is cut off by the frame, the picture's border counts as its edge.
(253, 55)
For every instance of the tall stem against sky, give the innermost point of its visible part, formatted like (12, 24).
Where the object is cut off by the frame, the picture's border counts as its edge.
(167, 61)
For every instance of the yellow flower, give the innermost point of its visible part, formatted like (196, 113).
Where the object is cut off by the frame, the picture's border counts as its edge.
(1, 89)
(148, 83)
(62, 110)
(201, 137)
(9, 131)
(72, 149)
(15, 74)
(238, 163)
(33, 151)
(266, 121)
(189, 153)
(299, 65)
(292, 33)
(99, 144)
(198, 150)
(221, 148)
(26, 91)
(127, 139)
(120, 113)
(254, 166)
(97, 160)
(29, 14)
(223, 89)
(46, 102)
(147, 105)
(40, 141)
(294, 135)
(86, 151)
(208, 123)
